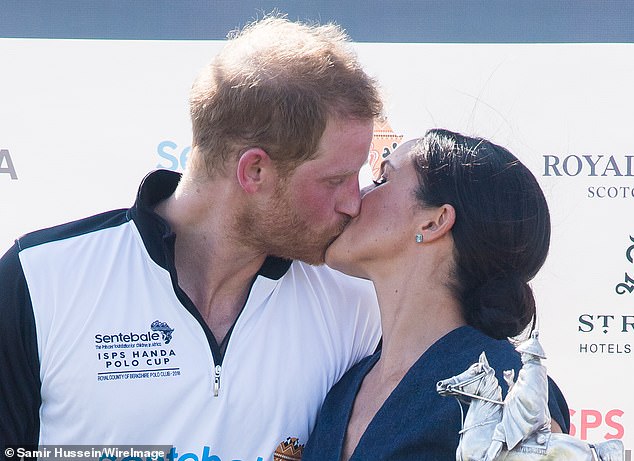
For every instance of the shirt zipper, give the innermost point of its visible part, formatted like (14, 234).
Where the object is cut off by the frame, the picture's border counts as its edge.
(217, 371)
(270, 269)
(219, 352)
(216, 354)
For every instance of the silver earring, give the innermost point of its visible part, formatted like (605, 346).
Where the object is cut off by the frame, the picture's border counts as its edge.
(419, 238)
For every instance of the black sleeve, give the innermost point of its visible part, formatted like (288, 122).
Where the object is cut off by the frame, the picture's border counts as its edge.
(19, 360)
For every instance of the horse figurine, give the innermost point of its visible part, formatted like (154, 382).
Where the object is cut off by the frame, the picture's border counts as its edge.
(479, 384)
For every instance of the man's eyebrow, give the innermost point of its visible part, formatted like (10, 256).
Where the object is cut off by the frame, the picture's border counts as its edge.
(342, 174)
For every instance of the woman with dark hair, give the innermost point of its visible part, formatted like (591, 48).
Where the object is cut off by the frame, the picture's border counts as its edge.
(450, 234)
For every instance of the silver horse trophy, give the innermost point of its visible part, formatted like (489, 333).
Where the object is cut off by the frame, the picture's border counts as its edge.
(518, 427)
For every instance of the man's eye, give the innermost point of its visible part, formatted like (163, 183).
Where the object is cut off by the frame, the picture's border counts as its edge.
(381, 180)
(336, 181)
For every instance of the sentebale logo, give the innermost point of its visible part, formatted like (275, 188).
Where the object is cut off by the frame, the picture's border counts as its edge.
(158, 329)
(164, 328)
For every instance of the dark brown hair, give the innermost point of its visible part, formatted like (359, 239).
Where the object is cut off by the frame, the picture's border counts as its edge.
(502, 227)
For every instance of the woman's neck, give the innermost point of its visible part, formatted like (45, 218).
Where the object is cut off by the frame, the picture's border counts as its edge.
(414, 315)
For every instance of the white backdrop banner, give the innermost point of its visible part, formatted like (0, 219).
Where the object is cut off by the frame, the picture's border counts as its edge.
(81, 122)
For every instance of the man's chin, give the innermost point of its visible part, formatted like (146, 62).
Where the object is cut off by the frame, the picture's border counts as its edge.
(315, 262)
(313, 254)
(314, 257)
(317, 256)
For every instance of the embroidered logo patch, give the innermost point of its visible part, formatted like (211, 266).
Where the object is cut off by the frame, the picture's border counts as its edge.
(137, 354)
(289, 450)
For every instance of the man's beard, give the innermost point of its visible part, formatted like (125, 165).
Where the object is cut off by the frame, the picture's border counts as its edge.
(278, 230)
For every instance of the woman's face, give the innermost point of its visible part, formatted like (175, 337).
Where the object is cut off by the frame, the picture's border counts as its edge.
(386, 225)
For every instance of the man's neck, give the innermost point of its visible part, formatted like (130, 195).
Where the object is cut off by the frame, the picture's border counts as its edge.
(214, 269)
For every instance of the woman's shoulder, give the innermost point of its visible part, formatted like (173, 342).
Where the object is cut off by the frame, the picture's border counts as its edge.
(463, 346)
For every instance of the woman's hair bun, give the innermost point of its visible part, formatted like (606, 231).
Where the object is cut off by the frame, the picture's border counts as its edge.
(502, 307)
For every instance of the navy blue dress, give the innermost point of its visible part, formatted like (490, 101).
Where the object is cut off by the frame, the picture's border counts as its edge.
(415, 423)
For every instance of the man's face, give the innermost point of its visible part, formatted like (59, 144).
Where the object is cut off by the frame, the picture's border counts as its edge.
(311, 207)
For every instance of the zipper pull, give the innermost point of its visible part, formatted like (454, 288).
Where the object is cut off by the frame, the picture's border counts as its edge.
(217, 380)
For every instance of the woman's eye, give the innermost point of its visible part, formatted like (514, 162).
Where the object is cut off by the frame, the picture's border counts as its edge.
(381, 180)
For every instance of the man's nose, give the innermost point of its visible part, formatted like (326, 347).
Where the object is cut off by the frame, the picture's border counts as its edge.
(349, 202)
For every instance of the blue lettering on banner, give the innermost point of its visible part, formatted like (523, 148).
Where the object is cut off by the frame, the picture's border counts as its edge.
(5, 158)
(173, 455)
(168, 150)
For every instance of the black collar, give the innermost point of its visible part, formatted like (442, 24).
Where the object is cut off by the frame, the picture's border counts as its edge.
(157, 234)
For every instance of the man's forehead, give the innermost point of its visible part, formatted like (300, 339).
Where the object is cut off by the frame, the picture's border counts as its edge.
(343, 148)
(338, 166)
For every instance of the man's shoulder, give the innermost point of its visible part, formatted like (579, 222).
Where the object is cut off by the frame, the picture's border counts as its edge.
(72, 229)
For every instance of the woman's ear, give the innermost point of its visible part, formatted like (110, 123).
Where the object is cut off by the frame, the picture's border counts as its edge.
(255, 170)
(438, 222)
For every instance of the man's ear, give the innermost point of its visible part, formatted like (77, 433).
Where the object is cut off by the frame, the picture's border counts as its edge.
(438, 222)
(255, 170)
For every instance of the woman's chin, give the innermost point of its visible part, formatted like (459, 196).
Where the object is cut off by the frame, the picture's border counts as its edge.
(332, 257)
(339, 257)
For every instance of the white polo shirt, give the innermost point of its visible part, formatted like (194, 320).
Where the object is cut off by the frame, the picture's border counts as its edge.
(123, 356)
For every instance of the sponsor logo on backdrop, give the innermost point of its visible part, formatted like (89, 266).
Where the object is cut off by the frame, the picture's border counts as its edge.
(173, 157)
(627, 286)
(602, 167)
(6, 165)
(384, 141)
(612, 324)
(593, 424)
(137, 354)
